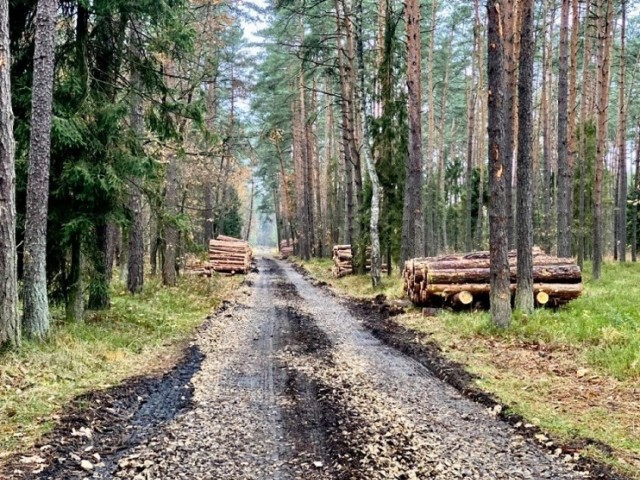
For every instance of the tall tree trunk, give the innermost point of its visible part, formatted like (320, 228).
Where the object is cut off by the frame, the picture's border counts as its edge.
(573, 95)
(347, 84)
(35, 321)
(622, 145)
(247, 233)
(565, 175)
(135, 264)
(636, 199)
(498, 215)
(431, 247)
(586, 58)
(212, 113)
(9, 321)
(471, 114)
(483, 99)
(547, 48)
(524, 220)
(442, 200)
(170, 234)
(508, 10)
(413, 243)
(605, 25)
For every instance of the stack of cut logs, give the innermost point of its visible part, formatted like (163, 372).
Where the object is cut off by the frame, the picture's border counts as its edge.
(459, 280)
(286, 248)
(195, 266)
(343, 261)
(230, 255)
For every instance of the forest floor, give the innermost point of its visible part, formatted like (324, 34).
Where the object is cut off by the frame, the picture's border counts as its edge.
(289, 381)
(572, 373)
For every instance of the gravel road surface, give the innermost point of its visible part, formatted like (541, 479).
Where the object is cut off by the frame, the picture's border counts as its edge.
(292, 386)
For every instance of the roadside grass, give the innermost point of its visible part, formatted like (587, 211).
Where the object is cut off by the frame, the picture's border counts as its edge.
(138, 336)
(358, 286)
(574, 372)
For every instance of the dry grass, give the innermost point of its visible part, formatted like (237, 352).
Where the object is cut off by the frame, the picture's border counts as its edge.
(139, 335)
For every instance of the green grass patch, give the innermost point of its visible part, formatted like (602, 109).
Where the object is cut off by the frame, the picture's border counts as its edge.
(359, 286)
(138, 335)
(603, 324)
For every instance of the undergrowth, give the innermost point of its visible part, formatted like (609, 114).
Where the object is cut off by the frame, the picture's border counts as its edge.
(138, 335)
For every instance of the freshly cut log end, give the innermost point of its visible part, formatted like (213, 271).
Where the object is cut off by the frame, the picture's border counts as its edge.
(542, 298)
(463, 298)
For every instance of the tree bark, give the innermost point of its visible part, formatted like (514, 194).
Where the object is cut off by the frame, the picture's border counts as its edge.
(413, 244)
(525, 278)
(622, 145)
(508, 11)
(169, 273)
(605, 24)
(9, 321)
(35, 321)
(586, 56)
(431, 247)
(565, 174)
(135, 264)
(636, 199)
(498, 214)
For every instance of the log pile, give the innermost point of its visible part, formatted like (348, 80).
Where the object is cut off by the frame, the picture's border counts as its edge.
(459, 280)
(343, 261)
(195, 266)
(286, 248)
(230, 255)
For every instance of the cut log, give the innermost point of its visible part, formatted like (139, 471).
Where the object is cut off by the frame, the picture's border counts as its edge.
(541, 273)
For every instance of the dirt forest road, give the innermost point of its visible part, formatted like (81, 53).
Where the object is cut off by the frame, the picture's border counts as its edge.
(292, 386)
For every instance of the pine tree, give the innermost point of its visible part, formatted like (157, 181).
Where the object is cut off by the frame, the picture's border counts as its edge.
(9, 321)
(498, 217)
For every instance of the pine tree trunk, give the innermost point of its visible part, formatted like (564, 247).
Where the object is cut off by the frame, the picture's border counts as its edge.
(636, 199)
(471, 113)
(135, 264)
(547, 48)
(565, 177)
(35, 319)
(432, 243)
(170, 234)
(74, 308)
(508, 11)
(442, 200)
(524, 220)
(622, 145)
(483, 99)
(413, 244)
(498, 215)
(586, 56)
(348, 128)
(9, 321)
(605, 37)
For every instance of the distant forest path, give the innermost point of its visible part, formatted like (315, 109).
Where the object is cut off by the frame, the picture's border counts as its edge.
(292, 385)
